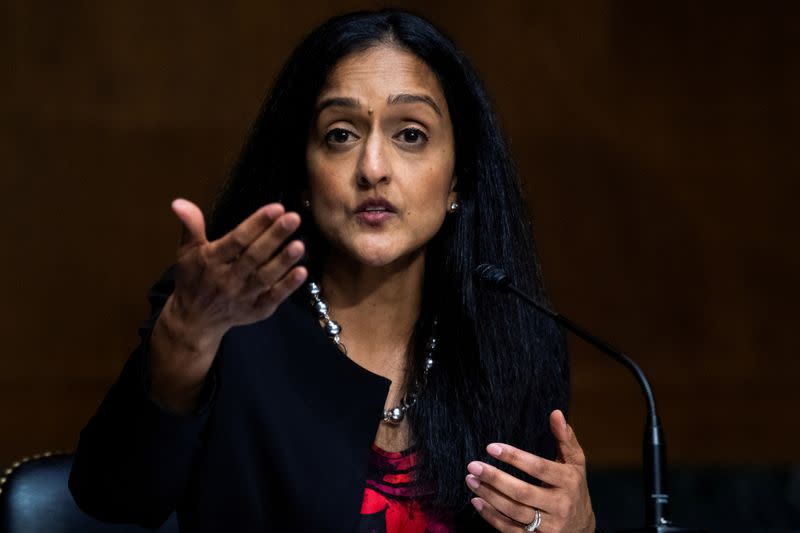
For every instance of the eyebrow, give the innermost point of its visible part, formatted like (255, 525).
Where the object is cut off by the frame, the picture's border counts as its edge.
(393, 99)
(406, 98)
(338, 101)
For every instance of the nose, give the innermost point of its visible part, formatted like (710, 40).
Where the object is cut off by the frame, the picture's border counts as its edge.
(374, 166)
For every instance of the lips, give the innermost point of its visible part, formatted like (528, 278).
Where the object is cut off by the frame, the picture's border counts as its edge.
(375, 211)
(373, 205)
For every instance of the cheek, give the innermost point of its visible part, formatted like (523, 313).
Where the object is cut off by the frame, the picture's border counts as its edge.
(324, 183)
(430, 205)
(329, 196)
(330, 176)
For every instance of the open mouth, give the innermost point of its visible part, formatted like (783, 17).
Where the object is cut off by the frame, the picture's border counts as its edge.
(376, 204)
(375, 211)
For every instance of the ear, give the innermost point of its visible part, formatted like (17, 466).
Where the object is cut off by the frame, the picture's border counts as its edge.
(452, 195)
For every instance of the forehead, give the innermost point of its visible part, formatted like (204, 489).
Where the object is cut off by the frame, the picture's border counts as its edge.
(380, 71)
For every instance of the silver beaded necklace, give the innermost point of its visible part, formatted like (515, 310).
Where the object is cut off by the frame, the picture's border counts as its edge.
(393, 415)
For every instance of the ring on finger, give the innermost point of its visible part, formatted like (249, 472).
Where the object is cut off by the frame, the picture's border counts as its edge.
(537, 521)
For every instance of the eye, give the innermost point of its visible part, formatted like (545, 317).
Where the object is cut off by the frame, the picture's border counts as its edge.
(340, 136)
(412, 136)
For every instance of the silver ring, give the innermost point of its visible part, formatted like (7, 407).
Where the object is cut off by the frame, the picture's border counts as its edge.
(537, 521)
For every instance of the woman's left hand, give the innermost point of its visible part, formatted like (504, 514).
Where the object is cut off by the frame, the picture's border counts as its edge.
(509, 504)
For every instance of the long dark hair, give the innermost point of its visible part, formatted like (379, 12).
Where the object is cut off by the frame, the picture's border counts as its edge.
(500, 368)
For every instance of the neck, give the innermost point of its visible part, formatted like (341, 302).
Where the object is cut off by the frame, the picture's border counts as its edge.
(377, 308)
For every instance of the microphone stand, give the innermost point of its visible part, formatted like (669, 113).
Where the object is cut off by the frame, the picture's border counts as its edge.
(656, 496)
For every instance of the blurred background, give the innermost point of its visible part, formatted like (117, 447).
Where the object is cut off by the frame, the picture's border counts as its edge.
(657, 142)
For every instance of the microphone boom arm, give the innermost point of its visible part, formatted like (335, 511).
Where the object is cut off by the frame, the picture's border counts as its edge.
(623, 359)
(656, 497)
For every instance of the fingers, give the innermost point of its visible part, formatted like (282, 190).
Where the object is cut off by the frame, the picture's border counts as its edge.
(233, 244)
(268, 301)
(265, 245)
(512, 508)
(511, 496)
(542, 469)
(268, 274)
(570, 452)
(494, 517)
(505, 501)
(194, 226)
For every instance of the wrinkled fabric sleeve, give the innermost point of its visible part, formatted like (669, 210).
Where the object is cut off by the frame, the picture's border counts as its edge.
(134, 458)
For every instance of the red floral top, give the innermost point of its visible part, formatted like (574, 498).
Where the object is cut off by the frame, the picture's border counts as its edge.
(393, 499)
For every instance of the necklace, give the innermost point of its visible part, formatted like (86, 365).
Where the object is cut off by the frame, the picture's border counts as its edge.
(393, 415)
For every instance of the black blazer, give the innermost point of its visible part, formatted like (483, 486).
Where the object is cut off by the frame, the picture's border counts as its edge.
(280, 442)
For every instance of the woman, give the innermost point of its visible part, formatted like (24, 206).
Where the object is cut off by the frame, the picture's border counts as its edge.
(323, 360)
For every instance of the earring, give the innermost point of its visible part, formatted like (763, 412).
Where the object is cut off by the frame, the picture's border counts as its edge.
(307, 204)
(454, 206)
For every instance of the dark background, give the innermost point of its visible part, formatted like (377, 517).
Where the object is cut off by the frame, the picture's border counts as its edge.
(656, 140)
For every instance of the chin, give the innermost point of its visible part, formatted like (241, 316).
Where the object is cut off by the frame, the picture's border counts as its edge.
(376, 259)
(380, 256)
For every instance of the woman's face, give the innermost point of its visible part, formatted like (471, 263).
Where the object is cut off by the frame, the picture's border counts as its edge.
(380, 156)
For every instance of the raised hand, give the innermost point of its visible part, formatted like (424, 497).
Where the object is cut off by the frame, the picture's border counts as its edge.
(509, 504)
(235, 280)
(240, 278)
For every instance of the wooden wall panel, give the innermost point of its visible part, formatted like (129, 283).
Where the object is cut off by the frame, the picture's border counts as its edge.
(656, 142)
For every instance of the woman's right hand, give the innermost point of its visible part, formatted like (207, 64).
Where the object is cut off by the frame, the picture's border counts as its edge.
(235, 280)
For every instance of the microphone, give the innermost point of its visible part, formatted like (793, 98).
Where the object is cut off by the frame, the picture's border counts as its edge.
(656, 497)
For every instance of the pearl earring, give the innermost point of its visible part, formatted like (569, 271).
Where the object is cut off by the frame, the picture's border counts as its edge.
(454, 205)
(307, 204)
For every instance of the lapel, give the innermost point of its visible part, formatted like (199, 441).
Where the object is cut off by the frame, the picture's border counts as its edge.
(339, 409)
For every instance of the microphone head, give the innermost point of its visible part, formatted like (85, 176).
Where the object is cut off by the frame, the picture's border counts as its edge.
(492, 275)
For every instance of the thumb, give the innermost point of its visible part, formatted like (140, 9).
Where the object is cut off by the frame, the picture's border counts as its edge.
(569, 451)
(194, 226)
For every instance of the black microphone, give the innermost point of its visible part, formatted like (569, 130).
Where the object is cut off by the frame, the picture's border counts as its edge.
(656, 497)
